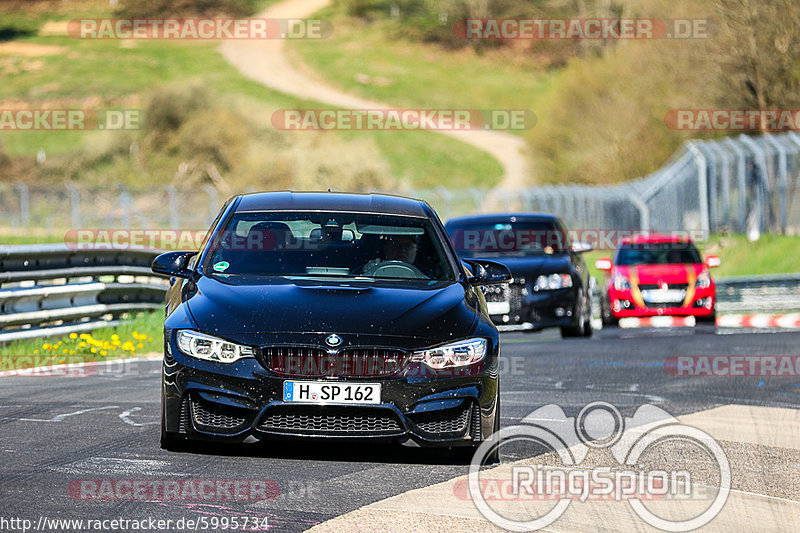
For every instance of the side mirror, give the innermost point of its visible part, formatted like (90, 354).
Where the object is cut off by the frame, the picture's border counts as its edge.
(173, 264)
(487, 272)
(712, 261)
(581, 247)
(603, 264)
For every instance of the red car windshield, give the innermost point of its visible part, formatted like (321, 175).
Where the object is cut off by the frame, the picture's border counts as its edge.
(657, 253)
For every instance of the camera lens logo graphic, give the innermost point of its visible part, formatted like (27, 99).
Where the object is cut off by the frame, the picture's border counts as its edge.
(598, 425)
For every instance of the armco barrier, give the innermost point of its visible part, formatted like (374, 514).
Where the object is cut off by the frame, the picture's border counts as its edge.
(773, 294)
(50, 289)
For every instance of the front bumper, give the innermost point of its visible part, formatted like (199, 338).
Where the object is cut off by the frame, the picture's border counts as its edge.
(627, 303)
(537, 310)
(243, 401)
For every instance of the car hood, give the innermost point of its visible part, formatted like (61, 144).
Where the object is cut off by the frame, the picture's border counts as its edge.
(531, 265)
(655, 274)
(257, 309)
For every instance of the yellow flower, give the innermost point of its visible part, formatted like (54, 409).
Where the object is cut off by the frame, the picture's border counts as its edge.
(140, 345)
(81, 344)
(71, 352)
(85, 336)
(94, 350)
(114, 336)
(46, 346)
(103, 352)
(36, 351)
(115, 342)
(61, 361)
(64, 350)
(73, 335)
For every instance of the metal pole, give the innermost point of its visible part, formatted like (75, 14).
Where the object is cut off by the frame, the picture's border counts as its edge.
(762, 190)
(741, 182)
(75, 201)
(702, 173)
(781, 175)
(24, 205)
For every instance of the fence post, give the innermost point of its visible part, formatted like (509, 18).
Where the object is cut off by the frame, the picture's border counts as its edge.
(644, 211)
(75, 205)
(24, 205)
(174, 216)
(741, 171)
(712, 179)
(726, 181)
(781, 176)
(447, 200)
(213, 203)
(760, 160)
(125, 202)
(702, 181)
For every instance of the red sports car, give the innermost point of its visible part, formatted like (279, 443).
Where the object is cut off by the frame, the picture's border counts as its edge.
(654, 275)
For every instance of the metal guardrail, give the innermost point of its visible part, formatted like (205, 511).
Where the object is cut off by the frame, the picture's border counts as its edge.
(759, 294)
(52, 289)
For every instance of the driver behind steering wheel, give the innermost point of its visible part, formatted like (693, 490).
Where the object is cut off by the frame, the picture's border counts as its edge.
(394, 248)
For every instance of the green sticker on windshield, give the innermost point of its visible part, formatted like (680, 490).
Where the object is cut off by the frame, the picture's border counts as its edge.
(222, 266)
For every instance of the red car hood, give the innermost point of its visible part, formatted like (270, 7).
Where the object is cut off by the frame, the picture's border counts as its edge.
(656, 274)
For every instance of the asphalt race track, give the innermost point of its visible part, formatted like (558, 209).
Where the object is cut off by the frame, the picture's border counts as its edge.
(56, 430)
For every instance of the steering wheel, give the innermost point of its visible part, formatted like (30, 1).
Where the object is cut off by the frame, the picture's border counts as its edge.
(398, 269)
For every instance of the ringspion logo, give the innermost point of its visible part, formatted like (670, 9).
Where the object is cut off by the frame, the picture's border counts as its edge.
(503, 499)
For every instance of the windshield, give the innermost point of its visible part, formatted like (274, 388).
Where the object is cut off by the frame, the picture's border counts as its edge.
(329, 245)
(658, 253)
(508, 238)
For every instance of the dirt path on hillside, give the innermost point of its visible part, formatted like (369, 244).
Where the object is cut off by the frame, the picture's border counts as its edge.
(267, 63)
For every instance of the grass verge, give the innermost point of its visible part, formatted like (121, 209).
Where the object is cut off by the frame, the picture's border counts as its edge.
(137, 335)
(362, 58)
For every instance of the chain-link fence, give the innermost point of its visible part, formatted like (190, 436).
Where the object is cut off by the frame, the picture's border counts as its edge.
(737, 184)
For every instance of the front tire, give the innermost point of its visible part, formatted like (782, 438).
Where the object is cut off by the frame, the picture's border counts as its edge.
(173, 442)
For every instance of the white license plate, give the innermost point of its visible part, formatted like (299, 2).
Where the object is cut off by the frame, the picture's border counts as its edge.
(324, 392)
(663, 297)
(498, 308)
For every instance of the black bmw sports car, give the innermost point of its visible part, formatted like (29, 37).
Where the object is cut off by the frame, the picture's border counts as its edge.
(550, 285)
(328, 315)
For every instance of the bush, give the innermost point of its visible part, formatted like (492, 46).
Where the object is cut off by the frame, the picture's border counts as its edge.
(185, 8)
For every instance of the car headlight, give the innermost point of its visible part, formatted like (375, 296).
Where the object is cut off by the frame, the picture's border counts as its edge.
(210, 348)
(703, 280)
(621, 283)
(552, 281)
(460, 353)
